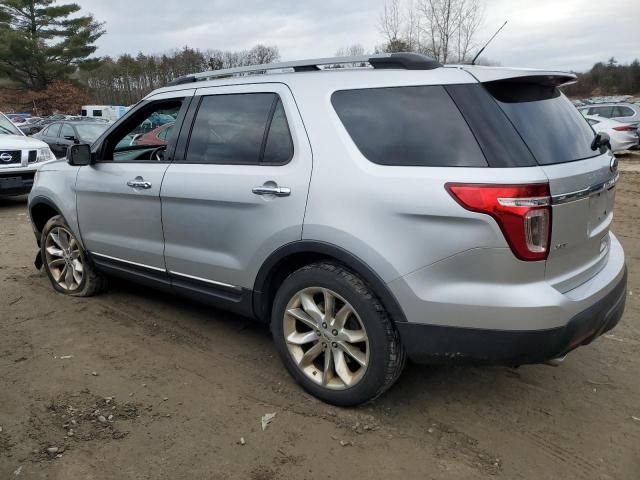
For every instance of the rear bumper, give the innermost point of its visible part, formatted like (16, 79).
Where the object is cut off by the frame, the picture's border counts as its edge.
(16, 183)
(438, 344)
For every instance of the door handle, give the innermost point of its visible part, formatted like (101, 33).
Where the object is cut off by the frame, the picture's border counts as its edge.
(139, 182)
(267, 190)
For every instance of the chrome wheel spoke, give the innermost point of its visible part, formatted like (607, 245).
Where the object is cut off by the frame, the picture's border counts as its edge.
(341, 367)
(54, 252)
(342, 316)
(329, 304)
(68, 278)
(298, 338)
(354, 353)
(310, 307)
(354, 336)
(327, 373)
(57, 263)
(310, 355)
(77, 266)
(301, 315)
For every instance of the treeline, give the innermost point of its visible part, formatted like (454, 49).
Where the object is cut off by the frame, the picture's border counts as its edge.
(126, 79)
(610, 78)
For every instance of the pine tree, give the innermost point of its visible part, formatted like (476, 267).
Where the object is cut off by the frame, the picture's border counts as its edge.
(41, 42)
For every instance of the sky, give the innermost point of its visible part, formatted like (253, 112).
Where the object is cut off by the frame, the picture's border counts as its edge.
(558, 34)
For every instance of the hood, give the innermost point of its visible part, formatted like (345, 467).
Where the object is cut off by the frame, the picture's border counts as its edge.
(19, 142)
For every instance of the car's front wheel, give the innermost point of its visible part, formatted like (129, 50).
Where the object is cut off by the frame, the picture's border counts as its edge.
(334, 336)
(66, 263)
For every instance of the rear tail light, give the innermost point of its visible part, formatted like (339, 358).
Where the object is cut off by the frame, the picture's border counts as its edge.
(523, 213)
(625, 128)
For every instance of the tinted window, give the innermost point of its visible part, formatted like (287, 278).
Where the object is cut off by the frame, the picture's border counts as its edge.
(601, 111)
(412, 126)
(53, 130)
(97, 113)
(67, 131)
(622, 112)
(547, 121)
(279, 147)
(230, 129)
(90, 133)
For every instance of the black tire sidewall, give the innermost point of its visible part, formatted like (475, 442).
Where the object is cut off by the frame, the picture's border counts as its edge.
(368, 310)
(55, 222)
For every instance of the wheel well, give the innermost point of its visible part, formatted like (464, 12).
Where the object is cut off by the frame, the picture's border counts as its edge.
(277, 275)
(298, 254)
(40, 215)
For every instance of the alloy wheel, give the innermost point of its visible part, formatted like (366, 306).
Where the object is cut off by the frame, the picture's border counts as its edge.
(63, 258)
(326, 338)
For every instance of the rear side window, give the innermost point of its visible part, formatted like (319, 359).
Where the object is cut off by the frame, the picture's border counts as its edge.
(622, 112)
(605, 112)
(547, 121)
(408, 126)
(240, 129)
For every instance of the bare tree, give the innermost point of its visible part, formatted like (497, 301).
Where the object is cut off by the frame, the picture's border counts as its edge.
(354, 50)
(390, 23)
(450, 27)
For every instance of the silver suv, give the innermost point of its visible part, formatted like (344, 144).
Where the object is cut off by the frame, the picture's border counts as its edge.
(369, 209)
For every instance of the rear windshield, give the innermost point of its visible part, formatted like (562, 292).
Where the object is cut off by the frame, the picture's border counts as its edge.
(408, 126)
(550, 125)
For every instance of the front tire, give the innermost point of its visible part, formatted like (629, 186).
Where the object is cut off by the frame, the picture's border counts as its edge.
(334, 336)
(66, 263)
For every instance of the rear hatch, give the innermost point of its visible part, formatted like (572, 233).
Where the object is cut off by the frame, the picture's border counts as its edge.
(581, 180)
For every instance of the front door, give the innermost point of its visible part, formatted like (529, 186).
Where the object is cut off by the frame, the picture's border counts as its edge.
(118, 197)
(239, 190)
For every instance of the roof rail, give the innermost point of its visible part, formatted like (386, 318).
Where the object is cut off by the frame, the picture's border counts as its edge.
(407, 61)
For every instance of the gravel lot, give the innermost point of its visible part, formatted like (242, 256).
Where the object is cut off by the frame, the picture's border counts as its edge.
(136, 384)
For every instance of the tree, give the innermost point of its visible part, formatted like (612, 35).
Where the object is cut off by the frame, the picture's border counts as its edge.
(41, 42)
(444, 29)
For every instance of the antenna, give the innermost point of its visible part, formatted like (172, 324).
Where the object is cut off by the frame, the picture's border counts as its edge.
(473, 62)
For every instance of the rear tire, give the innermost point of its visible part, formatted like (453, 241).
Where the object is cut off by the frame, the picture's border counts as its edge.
(66, 263)
(334, 336)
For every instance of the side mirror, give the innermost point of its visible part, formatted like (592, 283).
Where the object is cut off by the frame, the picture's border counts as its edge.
(79, 155)
(71, 138)
(601, 141)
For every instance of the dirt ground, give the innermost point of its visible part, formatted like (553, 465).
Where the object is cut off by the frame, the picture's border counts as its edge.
(136, 384)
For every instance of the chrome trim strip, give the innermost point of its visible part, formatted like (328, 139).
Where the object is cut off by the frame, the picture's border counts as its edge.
(585, 193)
(142, 265)
(204, 280)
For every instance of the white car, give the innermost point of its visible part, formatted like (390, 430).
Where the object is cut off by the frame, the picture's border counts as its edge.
(623, 136)
(20, 157)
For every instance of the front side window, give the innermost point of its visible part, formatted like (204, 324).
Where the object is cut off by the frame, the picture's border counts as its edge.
(67, 131)
(408, 126)
(240, 129)
(138, 137)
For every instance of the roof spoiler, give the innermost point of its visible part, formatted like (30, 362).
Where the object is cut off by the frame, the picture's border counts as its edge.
(515, 75)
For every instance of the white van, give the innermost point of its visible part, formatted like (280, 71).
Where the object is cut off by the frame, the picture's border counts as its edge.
(108, 112)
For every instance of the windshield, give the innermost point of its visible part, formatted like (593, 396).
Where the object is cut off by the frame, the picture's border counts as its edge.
(90, 133)
(8, 128)
(547, 121)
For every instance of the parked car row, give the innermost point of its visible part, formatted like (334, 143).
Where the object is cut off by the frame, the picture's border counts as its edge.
(60, 135)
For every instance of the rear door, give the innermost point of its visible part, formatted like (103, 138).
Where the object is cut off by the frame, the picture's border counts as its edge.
(240, 189)
(581, 180)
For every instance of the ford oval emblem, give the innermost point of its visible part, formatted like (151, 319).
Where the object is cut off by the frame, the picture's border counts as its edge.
(613, 166)
(6, 157)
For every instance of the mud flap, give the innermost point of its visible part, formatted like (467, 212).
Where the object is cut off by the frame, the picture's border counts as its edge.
(38, 261)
